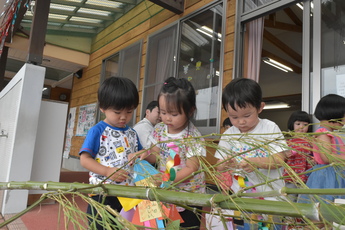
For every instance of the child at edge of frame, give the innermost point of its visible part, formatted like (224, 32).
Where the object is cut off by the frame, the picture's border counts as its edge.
(118, 98)
(242, 101)
(328, 148)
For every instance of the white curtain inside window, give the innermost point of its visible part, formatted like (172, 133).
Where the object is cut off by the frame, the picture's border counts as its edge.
(255, 37)
(165, 56)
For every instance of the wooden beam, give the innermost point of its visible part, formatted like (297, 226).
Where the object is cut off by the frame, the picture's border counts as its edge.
(282, 46)
(92, 6)
(65, 29)
(296, 69)
(176, 6)
(81, 15)
(293, 16)
(3, 61)
(38, 32)
(65, 21)
(283, 26)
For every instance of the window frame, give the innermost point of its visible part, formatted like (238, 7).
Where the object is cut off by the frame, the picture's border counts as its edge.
(204, 129)
(121, 61)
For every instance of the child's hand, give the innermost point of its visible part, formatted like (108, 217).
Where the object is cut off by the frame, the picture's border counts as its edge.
(131, 158)
(231, 163)
(119, 176)
(247, 166)
(227, 164)
(145, 153)
(142, 154)
(290, 153)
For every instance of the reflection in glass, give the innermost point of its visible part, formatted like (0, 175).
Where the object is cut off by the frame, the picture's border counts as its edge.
(125, 63)
(199, 62)
(160, 63)
(333, 47)
(253, 4)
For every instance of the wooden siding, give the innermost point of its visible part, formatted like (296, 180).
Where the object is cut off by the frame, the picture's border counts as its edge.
(228, 49)
(135, 26)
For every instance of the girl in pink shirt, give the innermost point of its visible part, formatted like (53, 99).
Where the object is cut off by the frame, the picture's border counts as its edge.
(328, 148)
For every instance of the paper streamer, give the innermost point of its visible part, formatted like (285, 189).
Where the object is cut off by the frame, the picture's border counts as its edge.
(127, 215)
(171, 170)
(143, 169)
(128, 203)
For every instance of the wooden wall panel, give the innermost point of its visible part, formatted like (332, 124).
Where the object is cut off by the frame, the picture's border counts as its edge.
(229, 45)
(143, 6)
(57, 91)
(231, 8)
(229, 48)
(138, 24)
(230, 27)
(125, 24)
(228, 61)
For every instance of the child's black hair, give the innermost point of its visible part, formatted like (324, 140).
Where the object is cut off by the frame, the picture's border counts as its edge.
(152, 105)
(180, 95)
(331, 106)
(299, 116)
(227, 122)
(242, 92)
(118, 93)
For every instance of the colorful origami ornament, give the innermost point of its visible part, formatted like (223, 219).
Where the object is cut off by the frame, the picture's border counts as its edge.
(171, 170)
(244, 182)
(145, 212)
(198, 65)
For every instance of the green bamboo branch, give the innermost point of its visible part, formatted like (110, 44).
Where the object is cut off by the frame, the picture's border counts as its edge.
(331, 213)
(18, 215)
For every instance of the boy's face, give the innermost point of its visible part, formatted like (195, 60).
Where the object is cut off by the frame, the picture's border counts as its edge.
(245, 119)
(117, 118)
(153, 116)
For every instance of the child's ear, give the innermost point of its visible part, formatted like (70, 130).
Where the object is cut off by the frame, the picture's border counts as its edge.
(261, 107)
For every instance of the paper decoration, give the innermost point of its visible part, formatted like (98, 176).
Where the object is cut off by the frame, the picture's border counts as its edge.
(149, 210)
(147, 213)
(9, 12)
(128, 215)
(244, 182)
(69, 131)
(185, 68)
(143, 170)
(198, 65)
(86, 119)
(206, 101)
(171, 170)
(128, 203)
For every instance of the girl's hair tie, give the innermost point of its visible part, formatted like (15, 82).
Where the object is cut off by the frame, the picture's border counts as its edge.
(165, 83)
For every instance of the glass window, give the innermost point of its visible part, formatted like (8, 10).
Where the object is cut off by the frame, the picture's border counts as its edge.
(160, 63)
(272, 55)
(333, 47)
(125, 63)
(253, 4)
(111, 66)
(199, 62)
